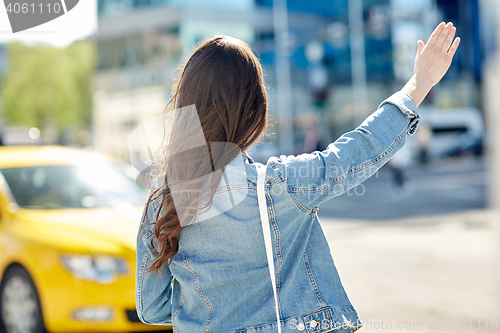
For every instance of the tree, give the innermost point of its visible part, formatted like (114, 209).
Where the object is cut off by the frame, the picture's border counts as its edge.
(49, 87)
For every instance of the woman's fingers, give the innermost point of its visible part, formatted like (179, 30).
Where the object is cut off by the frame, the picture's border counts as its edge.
(454, 47)
(435, 34)
(421, 47)
(449, 39)
(440, 41)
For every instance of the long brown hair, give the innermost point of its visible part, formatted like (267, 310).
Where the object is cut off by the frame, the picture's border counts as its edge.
(223, 79)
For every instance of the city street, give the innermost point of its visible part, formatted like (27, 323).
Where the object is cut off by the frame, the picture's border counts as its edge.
(436, 273)
(421, 274)
(420, 260)
(97, 96)
(429, 263)
(441, 187)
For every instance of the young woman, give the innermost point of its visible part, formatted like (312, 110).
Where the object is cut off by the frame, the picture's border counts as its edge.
(201, 257)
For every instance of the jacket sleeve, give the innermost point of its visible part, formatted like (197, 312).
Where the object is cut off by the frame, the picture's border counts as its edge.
(152, 293)
(319, 176)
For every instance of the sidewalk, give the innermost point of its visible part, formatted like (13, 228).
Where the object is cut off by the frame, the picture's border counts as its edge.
(430, 274)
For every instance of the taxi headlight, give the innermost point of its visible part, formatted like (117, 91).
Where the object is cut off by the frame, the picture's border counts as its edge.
(101, 268)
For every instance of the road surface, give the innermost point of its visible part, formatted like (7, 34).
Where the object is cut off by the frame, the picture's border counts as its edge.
(440, 188)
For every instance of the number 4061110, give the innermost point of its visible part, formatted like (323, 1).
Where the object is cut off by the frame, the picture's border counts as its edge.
(26, 8)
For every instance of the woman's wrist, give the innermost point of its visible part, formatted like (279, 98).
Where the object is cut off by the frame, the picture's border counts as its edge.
(417, 88)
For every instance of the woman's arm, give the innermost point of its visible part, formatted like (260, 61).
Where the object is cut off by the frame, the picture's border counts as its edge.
(354, 157)
(357, 155)
(152, 292)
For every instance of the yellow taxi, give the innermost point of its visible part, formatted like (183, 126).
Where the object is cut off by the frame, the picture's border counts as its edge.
(68, 226)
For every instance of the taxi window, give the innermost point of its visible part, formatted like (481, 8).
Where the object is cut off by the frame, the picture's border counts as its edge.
(57, 187)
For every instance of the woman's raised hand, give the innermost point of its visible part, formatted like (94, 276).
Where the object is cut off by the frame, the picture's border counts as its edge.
(432, 61)
(434, 58)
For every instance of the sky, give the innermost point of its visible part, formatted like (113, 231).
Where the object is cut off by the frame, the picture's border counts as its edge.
(78, 23)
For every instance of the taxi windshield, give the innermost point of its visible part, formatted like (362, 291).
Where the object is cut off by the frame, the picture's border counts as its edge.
(71, 186)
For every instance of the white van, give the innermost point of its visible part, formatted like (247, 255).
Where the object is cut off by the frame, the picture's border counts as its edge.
(454, 131)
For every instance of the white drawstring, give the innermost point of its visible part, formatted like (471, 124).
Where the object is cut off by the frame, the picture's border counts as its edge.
(266, 230)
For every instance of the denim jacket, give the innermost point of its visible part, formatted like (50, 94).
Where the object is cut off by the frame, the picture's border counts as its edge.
(219, 279)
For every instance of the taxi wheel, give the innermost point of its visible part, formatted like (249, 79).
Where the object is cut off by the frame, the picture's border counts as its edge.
(20, 309)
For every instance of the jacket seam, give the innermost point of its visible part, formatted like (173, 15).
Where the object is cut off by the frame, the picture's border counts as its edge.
(177, 310)
(173, 317)
(296, 201)
(139, 286)
(354, 169)
(226, 188)
(396, 101)
(277, 239)
(277, 171)
(326, 313)
(275, 181)
(313, 281)
(198, 288)
(181, 302)
(299, 205)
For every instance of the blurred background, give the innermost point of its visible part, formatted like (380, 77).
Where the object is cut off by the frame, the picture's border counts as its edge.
(328, 64)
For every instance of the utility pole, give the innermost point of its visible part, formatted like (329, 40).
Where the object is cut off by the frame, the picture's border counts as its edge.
(283, 77)
(358, 60)
(491, 101)
(491, 87)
